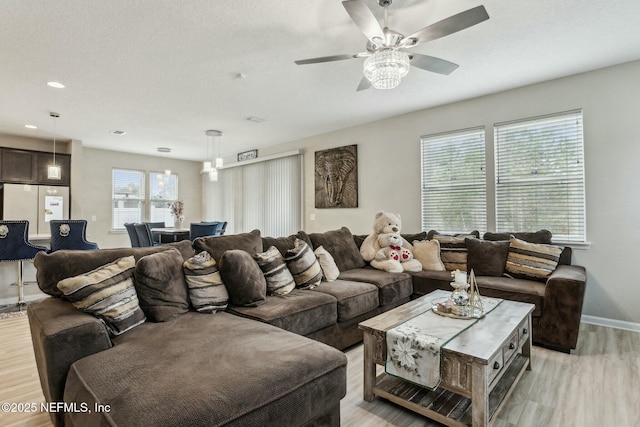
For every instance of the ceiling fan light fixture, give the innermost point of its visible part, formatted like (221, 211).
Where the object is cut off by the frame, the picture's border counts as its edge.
(385, 68)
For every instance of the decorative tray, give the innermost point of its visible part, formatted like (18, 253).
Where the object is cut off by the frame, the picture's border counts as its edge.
(442, 306)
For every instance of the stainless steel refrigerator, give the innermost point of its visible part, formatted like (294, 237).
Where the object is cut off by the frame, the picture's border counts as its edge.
(38, 204)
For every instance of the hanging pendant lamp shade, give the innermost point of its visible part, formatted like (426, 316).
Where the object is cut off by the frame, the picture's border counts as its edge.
(218, 162)
(54, 171)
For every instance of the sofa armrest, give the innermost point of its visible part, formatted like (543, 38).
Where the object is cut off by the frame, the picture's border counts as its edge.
(61, 334)
(562, 307)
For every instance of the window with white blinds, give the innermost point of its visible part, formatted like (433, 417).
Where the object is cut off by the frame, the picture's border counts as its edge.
(163, 189)
(127, 196)
(454, 189)
(264, 195)
(540, 176)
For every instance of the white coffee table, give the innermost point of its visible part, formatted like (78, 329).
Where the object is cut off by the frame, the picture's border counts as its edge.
(480, 366)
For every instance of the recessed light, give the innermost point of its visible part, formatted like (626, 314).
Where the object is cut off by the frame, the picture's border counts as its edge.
(57, 85)
(118, 132)
(164, 150)
(31, 126)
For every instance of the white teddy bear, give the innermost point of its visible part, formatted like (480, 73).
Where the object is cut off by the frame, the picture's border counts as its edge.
(388, 223)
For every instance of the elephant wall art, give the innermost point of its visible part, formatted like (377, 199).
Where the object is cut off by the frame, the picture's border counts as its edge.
(336, 177)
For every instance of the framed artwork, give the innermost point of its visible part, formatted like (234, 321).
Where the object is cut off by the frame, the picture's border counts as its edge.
(336, 177)
(247, 155)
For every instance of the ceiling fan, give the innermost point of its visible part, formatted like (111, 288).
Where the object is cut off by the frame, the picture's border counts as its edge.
(386, 59)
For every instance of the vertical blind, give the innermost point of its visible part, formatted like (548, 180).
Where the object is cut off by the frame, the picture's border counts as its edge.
(454, 181)
(540, 176)
(128, 195)
(263, 195)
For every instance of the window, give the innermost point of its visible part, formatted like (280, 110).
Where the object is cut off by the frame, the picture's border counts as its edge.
(540, 176)
(128, 197)
(264, 195)
(454, 181)
(163, 189)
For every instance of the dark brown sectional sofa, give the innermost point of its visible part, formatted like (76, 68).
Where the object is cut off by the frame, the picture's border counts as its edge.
(248, 366)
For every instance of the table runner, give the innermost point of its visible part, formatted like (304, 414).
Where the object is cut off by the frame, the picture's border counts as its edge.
(414, 347)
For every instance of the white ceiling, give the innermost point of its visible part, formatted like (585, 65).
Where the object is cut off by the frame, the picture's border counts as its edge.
(165, 70)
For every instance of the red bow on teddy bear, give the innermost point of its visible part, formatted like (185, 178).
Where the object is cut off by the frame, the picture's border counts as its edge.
(397, 248)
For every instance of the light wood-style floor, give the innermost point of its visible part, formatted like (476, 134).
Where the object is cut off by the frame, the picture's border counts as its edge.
(597, 385)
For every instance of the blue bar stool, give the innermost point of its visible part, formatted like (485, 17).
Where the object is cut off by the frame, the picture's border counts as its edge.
(70, 234)
(15, 247)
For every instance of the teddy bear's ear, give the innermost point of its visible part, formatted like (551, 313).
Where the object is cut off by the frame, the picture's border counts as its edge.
(398, 215)
(379, 214)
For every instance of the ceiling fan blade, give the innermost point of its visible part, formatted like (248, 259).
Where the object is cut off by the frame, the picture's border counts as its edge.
(327, 59)
(447, 26)
(364, 84)
(364, 19)
(433, 64)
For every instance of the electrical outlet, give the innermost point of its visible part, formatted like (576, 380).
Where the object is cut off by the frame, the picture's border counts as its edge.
(312, 217)
(93, 217)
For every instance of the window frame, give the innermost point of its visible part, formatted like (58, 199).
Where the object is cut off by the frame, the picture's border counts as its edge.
(141, 198)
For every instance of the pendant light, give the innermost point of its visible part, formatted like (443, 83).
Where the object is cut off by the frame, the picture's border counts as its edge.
(213, 171)
(206, 165)
(54, 171)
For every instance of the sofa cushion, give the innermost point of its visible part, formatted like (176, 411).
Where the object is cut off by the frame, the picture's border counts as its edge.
(540, 236)
(301, 311)
(470, 234)
(303, 265)
(243, 278)
(330, 271)
(428, 253)
(392, 287)
(522, 290)
(487, 258)
(207, 292)
(354, 298)
(55, 266)
(285, 243)
(208, 371)
(160, 285)
(414, 236)
(531, 260)
(217, 245)
(107, 293)
(277, 275)
(341, 246)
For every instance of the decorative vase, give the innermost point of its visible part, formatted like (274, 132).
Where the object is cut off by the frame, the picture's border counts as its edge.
(178, 224)
(460, 297)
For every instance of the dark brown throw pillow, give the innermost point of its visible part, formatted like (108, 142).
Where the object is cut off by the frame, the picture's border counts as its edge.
(161, 287)
(217, 245)
(341, 246)
(243, 278)
(487, 258)
(283, 244)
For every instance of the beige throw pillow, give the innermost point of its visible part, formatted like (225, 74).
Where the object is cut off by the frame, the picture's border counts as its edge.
(428, 253)
(330, 270)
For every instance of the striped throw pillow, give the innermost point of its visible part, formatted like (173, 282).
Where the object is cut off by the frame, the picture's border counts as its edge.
(206, 291)
(278, 277)
(303, 265)
(107, 293)
(532, 260)
(453, 251)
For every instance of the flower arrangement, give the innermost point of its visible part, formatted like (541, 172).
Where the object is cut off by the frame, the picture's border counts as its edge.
(177, 210)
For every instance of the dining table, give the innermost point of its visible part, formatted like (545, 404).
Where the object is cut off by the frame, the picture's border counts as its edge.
(171, 234)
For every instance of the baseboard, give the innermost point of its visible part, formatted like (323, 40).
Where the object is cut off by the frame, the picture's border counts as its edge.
(611, 323)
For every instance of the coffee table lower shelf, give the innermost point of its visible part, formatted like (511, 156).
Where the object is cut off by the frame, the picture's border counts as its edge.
(445, 406)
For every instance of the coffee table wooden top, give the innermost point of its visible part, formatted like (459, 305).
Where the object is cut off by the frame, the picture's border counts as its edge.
(479, 341)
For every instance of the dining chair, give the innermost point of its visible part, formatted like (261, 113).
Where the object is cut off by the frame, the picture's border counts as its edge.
(158, 224)
(143, 231)
(133, 236)
(15, 247)
(200, 229)
(70, 234)
(221, 228)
